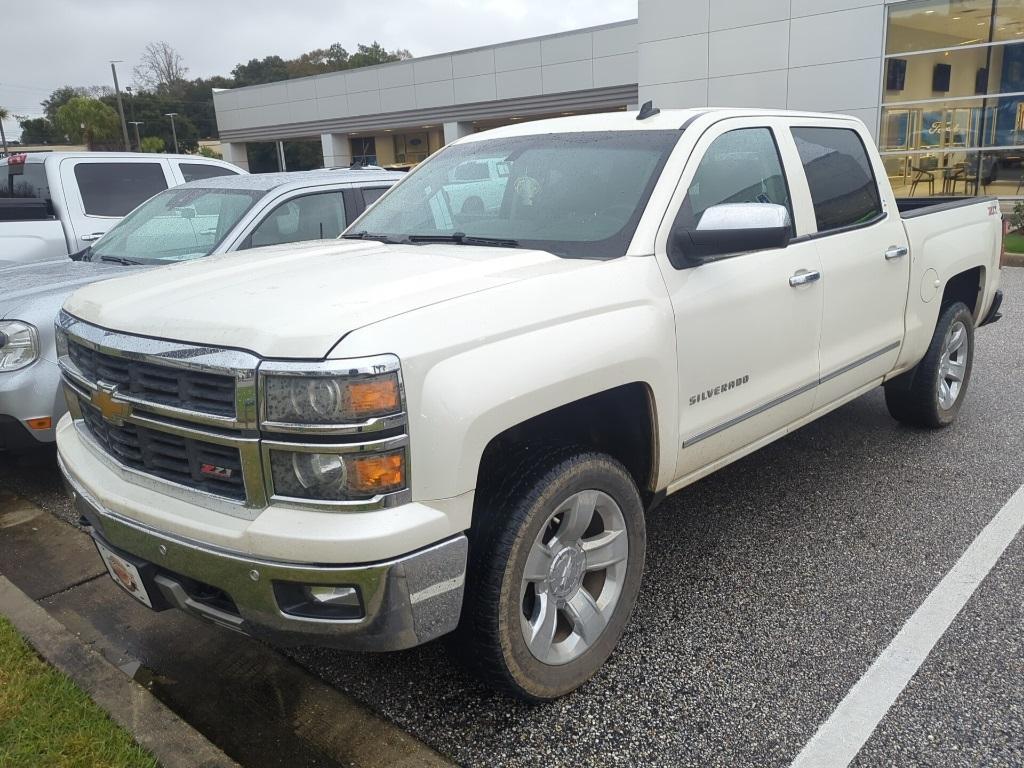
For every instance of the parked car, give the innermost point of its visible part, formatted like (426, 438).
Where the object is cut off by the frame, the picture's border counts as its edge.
(215, 215)
(56, 203)
(455, 422)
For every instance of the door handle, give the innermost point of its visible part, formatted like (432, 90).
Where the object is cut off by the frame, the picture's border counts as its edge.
(803, 277)
(93, 236)
(896, 252)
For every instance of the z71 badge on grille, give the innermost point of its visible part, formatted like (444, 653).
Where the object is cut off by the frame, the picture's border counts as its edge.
(212, 470)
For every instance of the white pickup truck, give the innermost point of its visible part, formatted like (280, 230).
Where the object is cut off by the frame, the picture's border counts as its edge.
(56, 203)
(455, 421)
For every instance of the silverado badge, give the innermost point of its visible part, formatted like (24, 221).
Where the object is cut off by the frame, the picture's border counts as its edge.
(112, 410)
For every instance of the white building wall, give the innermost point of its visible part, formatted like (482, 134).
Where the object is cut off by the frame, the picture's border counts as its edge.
(573, 61)
(821, 55)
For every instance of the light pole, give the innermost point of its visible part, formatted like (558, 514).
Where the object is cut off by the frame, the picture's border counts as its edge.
(131, 111)
(138, 141)
(174, 131)
(120, 104)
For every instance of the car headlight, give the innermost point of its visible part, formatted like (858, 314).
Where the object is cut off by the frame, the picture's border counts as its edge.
(329, 476)
(330, 400)
(19, 345)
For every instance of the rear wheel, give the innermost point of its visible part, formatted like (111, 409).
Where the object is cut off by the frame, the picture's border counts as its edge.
(931, 394)
(554, 573)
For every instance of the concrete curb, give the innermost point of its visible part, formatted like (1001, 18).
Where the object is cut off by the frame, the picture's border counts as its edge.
(171, 740)
(1013, 259)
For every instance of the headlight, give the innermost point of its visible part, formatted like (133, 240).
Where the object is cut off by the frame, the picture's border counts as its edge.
(19, 345)
(337, 476)
(331, 396)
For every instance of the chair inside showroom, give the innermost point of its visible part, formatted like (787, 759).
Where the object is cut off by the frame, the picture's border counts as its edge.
(924, 171)
(977, 174)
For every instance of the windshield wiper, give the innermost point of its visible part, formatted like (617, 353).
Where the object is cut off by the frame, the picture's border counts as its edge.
(461, 238)
(364, 235)
(121, 260)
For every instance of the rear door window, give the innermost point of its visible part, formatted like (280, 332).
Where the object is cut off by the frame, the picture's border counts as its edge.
(311, 217)
(115, 189)
(842, 183)
(195, 171)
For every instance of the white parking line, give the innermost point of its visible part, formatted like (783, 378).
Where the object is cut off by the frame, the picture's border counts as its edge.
(841, 737)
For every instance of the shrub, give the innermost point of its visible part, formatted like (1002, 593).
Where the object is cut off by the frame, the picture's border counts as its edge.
(152, 144)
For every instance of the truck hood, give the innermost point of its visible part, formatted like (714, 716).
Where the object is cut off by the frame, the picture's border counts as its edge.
(298, 300)
(42, 286)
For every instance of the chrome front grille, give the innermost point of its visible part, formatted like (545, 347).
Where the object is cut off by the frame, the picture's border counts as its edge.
(215, 469)
(178, 417)
(175, 387)
(182, 419)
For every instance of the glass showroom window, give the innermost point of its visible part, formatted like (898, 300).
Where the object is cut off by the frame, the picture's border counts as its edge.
(953, 97)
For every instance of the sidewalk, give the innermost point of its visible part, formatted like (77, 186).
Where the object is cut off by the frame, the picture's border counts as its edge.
(241, 695)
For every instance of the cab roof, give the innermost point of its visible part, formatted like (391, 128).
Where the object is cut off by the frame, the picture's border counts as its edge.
(264, 182)
(666, 119)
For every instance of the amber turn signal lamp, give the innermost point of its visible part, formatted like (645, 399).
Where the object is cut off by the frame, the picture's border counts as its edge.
(375, 397)
(379, 473)
(44, 422)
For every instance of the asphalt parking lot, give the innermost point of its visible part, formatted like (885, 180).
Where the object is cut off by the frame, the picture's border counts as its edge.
(771, 587)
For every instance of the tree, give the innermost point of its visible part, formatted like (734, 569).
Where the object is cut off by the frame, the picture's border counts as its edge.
(88, 120)
(269, 69)
(66, 93)
(161, 68)
(4, 114)
(38, 130)
(368, 55)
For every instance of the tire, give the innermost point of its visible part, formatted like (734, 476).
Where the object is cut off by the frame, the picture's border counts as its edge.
(549, 513)
(930, 395)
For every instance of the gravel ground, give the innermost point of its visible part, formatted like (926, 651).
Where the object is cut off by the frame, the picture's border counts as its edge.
(771, 586)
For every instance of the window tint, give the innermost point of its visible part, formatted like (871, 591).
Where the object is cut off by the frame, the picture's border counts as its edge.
(313, 217)
(843, 186)
(195, 171)
(24, 179)
(372, 194)
(115, 189)
(742, 166)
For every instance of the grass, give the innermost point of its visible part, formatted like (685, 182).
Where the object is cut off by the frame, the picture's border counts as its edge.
(46, 721)
(1014, 243)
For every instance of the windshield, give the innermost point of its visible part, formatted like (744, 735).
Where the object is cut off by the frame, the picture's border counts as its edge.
(573, 194)
(176, 225)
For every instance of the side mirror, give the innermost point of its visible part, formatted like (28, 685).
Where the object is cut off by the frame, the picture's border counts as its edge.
(732, 228)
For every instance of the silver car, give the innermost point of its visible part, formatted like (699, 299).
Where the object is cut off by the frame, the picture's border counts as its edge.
(206, 217)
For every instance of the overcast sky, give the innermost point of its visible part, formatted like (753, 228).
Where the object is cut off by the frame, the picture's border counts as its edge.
(71, 42)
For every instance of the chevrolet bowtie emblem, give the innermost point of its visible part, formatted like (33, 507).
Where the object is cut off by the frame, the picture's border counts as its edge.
(112, 410)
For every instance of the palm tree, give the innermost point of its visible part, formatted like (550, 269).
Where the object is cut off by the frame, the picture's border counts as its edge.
(4, 114)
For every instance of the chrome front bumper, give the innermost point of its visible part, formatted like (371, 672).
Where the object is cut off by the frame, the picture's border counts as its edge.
(406, 601)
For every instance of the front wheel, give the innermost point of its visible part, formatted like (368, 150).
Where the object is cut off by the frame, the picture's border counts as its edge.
(555, 575)
(931, 394)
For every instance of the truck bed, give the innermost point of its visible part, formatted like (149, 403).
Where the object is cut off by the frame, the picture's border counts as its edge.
(911, 207)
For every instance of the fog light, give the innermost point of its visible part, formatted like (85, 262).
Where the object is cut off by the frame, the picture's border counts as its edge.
(335, 595)
(319, 601)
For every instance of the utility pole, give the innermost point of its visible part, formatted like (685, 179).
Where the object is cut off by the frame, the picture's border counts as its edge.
(174, 131)
(131, 111)
(138, 141)
(120, 105)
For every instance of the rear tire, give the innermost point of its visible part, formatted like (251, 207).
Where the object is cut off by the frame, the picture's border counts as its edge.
(555, 568)
(931, 394)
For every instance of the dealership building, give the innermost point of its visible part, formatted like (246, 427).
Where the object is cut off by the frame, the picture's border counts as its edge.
(940, 83)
